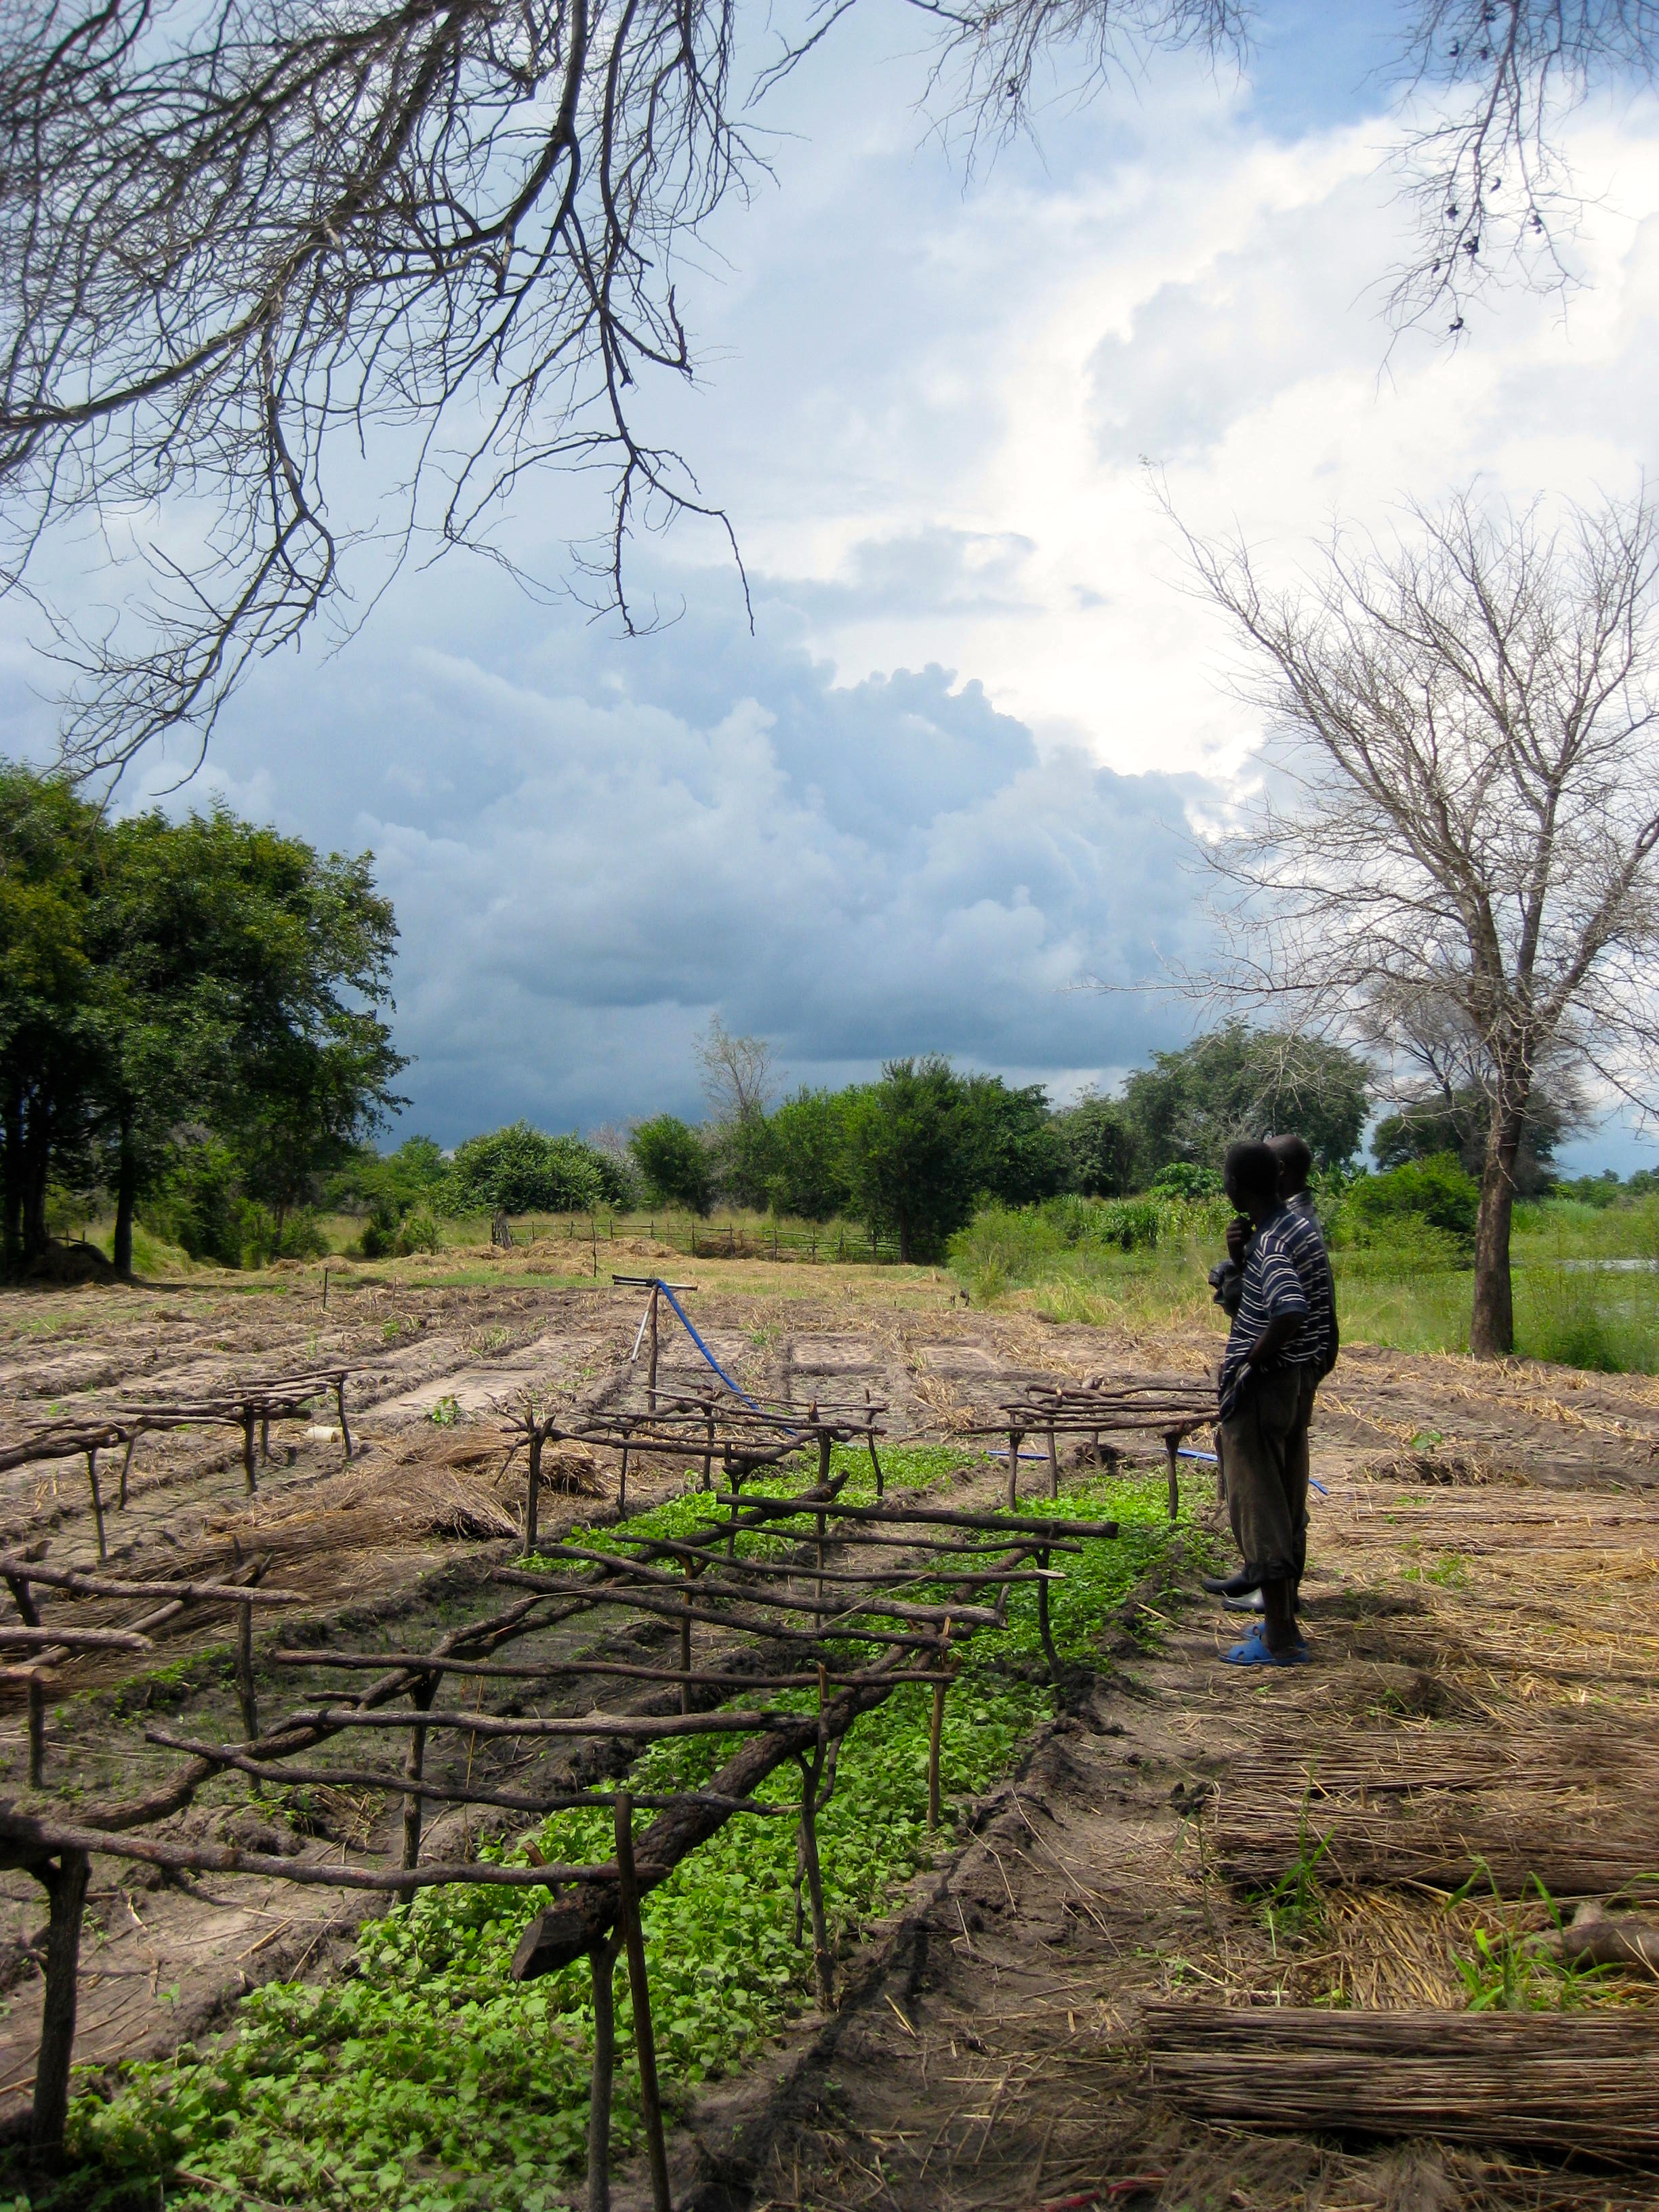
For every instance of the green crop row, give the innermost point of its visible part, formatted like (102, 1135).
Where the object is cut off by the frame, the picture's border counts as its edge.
(426, 2081)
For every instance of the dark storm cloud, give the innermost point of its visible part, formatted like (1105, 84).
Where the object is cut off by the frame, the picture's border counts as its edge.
(583, 869)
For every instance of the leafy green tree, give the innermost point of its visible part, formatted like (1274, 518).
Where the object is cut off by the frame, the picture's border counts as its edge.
(521, 1169)
(742, 1159)
(49, 839)
(674, 1162)
(809, 1175)
(1238, 1082)
(164, 977)
(915, 1153)
(240, 971)
(1100, 1147)
(1019, 1155)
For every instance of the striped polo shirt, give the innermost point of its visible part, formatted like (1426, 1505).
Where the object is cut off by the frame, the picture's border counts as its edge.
(1299, 1224)
(1272, 1288)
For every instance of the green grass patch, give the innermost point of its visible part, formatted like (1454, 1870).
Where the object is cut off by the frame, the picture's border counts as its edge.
(427, 2082)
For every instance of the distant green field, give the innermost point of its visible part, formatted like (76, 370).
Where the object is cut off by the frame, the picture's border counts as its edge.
(1586, 1279)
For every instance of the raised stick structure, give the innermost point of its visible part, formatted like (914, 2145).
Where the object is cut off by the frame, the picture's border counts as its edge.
(1171, 1408)
(855, 1600)
(250, 1406)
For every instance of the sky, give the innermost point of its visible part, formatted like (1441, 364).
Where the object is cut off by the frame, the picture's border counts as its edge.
(942, 794)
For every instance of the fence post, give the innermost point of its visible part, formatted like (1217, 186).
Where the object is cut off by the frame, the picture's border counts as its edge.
(245, 1692)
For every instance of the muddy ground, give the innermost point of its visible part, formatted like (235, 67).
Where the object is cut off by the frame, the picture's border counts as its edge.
(1483, 1570)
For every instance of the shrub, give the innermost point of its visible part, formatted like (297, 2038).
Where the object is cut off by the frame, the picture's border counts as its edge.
(300, 1238)
(674, 1162)
(519, 1169)
(1182, 1179)
(417, 1232)
(1437, 1192)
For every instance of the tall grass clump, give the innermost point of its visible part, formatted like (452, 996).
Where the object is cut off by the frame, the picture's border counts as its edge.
(1135, 1261)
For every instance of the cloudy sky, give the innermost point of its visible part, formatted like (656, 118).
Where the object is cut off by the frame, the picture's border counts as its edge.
(947, 779)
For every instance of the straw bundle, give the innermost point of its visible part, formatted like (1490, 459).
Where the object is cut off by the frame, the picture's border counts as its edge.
(1569, 2082)
(1576, 1805)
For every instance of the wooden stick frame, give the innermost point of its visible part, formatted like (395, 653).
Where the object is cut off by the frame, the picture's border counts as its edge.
(806, 1605)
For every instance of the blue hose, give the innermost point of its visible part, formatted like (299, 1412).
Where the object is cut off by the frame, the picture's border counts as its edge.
(703, 1348)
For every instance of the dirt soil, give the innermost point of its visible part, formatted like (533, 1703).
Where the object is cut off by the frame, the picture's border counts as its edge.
(1482, 1571)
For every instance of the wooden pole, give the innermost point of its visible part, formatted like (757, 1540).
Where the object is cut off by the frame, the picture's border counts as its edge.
(97, 1499)
(621, 1486)
(339, 1401)
(126, 1465)
(1043, 1629)
(708, 1451)
(692, 1567)
(1172, 1439)
(421, 1698)
(265, 1440)
(65, 1885)
(37, 1732)
(247, 1451)
(935, 1736)
(245, 1691)
(807, 1845)
(533, 1494)
(1015, 1438)
(602, 1960)
(1053, 1465)
(645, 2045)
(651, 1377)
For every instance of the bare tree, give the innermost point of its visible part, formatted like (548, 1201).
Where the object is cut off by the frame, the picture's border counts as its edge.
(259, 259)
(1455, 856)
(736, 1072)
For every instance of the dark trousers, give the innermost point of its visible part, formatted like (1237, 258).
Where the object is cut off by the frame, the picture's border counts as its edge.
(1295, 1468)
(1266, 1490)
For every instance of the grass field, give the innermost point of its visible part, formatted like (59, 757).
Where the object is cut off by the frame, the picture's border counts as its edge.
(1586, 1281)
(1586, 1277)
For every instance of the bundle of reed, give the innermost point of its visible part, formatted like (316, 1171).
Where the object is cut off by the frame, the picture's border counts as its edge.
(1574, 1804)
(1564, 2082)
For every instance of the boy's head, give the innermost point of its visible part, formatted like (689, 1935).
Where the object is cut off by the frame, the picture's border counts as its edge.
(1295, 1160)
(1249, 1176)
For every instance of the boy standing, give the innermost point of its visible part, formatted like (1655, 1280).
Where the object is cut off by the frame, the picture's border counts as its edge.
(1259, 1399)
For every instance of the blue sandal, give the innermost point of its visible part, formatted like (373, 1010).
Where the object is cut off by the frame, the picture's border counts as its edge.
(1254, 1652)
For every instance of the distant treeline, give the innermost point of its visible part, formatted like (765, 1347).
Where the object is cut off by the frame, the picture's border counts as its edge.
(909, 1157)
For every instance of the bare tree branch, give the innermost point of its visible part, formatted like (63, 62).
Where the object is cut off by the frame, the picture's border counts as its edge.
(1457, 857)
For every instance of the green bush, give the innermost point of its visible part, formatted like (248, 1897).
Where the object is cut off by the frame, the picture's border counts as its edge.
(519, 1169)
(417, 1232)
(300, 1238)
(674, 1162)
(1437, 1192)
(1181, 1179)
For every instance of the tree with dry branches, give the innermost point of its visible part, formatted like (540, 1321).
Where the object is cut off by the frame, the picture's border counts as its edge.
(257, 255)
(1454, 856)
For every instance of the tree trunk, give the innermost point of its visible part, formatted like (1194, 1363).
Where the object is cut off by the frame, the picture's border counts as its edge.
(14, 1183)
(1491, 1325)
(126, 1197)
(36, 1158)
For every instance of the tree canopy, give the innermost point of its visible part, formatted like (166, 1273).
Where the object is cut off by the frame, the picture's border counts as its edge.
(178, 998)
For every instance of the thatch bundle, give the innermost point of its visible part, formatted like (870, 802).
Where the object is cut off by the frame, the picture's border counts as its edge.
(1573, 1802)
(1569, 2082)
